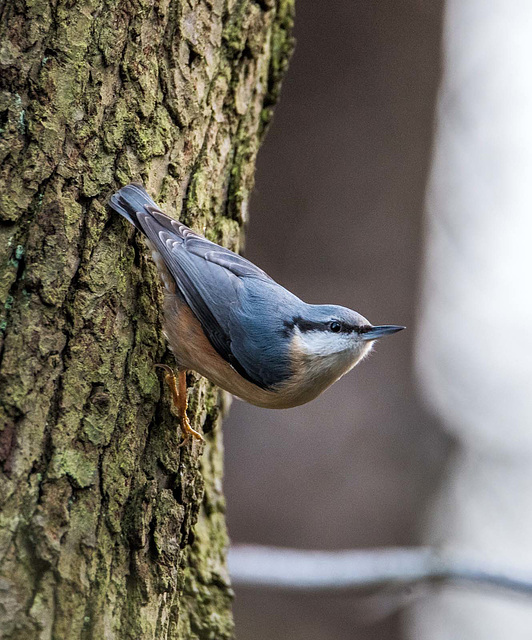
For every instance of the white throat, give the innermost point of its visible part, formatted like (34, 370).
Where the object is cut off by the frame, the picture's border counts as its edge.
(322, 357)
(333, 347)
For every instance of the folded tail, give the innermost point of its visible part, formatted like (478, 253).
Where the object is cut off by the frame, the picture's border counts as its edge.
(131, 200)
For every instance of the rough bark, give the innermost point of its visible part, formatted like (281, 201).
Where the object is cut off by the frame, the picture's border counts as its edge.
(107, 528)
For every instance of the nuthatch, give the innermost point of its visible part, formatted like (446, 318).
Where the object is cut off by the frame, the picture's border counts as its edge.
(229, 321)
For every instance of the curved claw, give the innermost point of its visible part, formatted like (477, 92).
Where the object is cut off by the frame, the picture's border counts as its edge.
(188, 431)
(165, 368)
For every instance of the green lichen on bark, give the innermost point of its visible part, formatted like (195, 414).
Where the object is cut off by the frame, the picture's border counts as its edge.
(107, 528)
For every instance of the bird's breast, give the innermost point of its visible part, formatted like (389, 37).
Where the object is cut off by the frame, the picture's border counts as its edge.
(312, 374)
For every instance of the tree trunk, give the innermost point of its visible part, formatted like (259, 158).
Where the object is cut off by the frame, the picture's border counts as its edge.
(108, 529)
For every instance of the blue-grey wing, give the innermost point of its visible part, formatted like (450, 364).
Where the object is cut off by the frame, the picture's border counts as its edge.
(232, 299)
(225, 291)
(258, 330)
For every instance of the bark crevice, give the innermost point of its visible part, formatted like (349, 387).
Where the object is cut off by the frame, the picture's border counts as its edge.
(107, 528)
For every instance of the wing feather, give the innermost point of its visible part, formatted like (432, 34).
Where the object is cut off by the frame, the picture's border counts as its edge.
(209, 288)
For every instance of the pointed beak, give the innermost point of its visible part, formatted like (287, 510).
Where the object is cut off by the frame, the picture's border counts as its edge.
(374, 333)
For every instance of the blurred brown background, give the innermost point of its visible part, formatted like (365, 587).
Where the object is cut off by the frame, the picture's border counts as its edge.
(337, 218)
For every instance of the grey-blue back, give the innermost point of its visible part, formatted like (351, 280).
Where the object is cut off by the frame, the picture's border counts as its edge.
(242, 311)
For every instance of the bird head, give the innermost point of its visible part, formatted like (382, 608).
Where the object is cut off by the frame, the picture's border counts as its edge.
(335, 336)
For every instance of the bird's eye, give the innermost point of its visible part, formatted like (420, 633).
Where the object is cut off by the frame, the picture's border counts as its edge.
(335, 326)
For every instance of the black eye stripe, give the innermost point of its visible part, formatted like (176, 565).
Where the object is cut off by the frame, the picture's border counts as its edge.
(364, 329)
(310, 325)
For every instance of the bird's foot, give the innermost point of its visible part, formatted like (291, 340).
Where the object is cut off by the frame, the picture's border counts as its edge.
(178, 389)
(189, 432)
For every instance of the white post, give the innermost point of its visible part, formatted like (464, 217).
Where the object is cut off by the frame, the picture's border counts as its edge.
(474, 349)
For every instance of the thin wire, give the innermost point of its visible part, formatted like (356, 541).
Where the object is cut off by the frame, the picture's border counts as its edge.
(357, 570)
